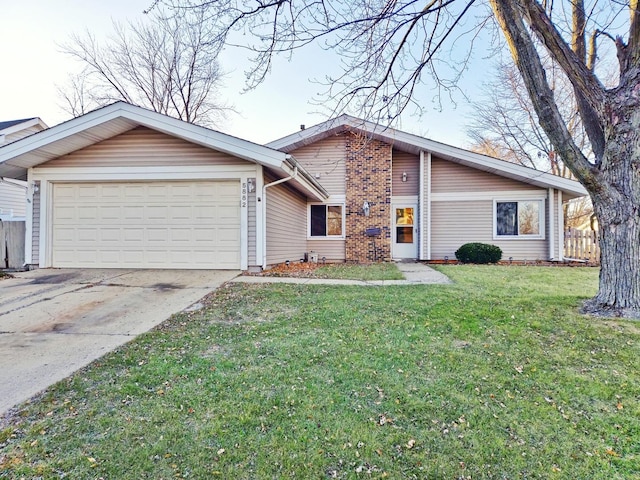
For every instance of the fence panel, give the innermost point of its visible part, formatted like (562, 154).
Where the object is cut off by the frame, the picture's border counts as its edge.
(581, 245)
(12, 244)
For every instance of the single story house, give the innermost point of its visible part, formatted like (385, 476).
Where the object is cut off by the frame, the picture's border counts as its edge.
(123, 186)
(13, 193)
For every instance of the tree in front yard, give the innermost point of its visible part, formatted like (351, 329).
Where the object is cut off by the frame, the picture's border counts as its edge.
(386, 50)
(168, 64)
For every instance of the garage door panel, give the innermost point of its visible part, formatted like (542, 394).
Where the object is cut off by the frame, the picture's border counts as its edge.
(147, 225)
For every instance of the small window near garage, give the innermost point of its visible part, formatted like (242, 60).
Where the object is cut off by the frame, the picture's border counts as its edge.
(521, 219)
(326, 221)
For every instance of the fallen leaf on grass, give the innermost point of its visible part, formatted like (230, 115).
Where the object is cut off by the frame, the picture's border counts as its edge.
(610, 451)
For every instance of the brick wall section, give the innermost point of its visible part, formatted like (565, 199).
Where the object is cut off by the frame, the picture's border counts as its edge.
(368, 177)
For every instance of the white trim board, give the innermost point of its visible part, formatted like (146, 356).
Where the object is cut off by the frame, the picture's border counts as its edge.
(490, 195)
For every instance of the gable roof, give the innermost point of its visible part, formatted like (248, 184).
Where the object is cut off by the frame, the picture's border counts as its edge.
(411, 143)
(114, 119)
(11, 126)
(11, 123)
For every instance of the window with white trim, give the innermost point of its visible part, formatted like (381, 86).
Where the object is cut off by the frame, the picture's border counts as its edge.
(519, 219)
(326, 220)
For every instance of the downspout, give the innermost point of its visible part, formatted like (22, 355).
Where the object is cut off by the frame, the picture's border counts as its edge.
(264, 209)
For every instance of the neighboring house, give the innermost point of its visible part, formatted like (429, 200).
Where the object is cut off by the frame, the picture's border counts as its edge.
(13, 193)
(123, 186)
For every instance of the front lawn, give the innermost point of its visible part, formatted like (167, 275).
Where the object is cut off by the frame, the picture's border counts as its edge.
(495, 376)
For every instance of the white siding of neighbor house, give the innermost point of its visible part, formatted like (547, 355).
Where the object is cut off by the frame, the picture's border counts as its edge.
(13, 201)
(286, 223)
(35, 229)
(409, 163)
(325, 160)
(25, 132)
(144, 147)
(456, 221)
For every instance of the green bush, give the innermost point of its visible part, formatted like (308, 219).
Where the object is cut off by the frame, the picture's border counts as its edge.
(479, 253)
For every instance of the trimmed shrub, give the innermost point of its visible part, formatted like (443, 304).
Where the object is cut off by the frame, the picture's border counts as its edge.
(479, 253)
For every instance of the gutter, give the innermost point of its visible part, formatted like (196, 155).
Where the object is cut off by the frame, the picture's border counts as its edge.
(293, 163)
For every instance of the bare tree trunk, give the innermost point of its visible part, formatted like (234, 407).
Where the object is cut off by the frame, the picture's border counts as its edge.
(617, 206)
(619, 293)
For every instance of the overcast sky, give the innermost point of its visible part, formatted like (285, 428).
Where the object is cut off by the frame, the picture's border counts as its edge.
(32, 66)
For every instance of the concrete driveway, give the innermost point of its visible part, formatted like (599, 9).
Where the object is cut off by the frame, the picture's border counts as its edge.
(55, 321)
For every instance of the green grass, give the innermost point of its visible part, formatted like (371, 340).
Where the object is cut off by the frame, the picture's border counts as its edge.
(346, 271)
(495, 376)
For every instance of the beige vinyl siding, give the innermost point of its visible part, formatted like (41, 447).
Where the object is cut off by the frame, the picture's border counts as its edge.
(144, 147)
(286, 224)
(409, 163)
(13, 201)
(331, 250)
(35, 228)
(252, 227)
(452, 177)
(325, 160)
(456, 223)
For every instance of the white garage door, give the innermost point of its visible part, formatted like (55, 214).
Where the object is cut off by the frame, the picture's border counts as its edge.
(147, 225)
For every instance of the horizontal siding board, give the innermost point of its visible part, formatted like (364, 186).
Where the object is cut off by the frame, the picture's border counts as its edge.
(325, 160)
(25, 132)
(13, 201)
(456, 223)
(452, 177)
(331, 250)
(286, 224)
(409, 164)
(144, 147)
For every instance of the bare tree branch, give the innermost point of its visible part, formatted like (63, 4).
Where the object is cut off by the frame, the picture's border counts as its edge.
(169, 65)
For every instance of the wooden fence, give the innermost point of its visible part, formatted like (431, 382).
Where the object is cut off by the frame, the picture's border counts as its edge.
(12, 244)
(582, 245)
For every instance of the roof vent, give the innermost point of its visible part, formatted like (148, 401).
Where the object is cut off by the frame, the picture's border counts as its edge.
(302, 127)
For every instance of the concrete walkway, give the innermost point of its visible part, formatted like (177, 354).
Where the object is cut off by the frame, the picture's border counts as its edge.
(415, 273)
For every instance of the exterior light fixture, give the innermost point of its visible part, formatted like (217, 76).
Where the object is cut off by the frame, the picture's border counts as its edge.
(250, 185)
(366, 209)
(404, 176)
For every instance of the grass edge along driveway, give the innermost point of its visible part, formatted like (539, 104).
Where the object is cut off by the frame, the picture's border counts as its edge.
(496, 376)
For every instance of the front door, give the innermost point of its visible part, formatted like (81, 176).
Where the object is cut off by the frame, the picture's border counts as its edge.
(405, 231)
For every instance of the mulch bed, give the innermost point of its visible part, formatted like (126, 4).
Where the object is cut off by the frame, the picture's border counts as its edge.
(294, 269)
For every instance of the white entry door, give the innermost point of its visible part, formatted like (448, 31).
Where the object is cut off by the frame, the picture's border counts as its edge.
(405, 231)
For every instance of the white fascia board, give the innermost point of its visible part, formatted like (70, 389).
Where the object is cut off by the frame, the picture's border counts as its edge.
(140, 116)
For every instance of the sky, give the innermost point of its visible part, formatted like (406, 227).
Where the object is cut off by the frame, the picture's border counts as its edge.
(33, 65)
